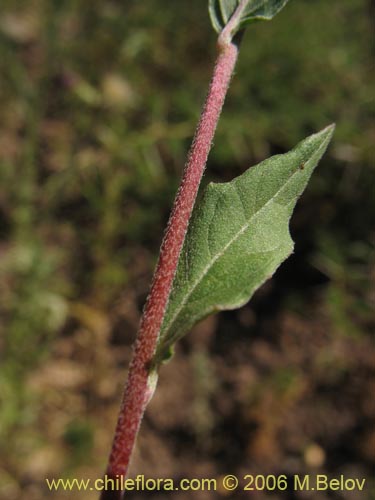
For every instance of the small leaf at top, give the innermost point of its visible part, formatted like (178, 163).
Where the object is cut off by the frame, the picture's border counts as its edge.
(249, 11)
(237, 237)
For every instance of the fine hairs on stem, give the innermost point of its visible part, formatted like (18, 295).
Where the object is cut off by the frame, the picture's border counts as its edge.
(141, 383)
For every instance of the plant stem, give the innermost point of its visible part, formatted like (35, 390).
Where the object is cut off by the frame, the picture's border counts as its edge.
(140, 384)
(232, 25)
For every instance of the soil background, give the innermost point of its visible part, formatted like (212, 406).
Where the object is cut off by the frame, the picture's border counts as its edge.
(99, 101)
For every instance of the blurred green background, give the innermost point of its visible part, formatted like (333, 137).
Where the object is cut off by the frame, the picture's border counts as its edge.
(99, 101)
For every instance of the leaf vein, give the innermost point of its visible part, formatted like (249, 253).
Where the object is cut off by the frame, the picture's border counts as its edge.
(221, 253)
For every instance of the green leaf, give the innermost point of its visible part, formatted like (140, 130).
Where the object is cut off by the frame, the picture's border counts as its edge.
(237, 237)
(221, 12)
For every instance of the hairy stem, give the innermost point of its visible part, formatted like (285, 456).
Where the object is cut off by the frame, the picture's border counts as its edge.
(141, 383)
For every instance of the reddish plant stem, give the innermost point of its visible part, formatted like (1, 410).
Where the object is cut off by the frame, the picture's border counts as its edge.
(138, 390)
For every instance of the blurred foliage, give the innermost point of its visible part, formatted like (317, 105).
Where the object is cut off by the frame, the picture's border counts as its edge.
(98, 104)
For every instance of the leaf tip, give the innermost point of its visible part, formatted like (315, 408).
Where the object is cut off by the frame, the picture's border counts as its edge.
(321, 139)
(326, 132)
(330, 129)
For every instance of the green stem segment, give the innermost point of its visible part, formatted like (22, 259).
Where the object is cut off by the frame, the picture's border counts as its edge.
(231, 28)
(141, 383)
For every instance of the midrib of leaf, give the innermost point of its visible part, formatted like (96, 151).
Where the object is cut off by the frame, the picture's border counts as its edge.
(222, 252)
